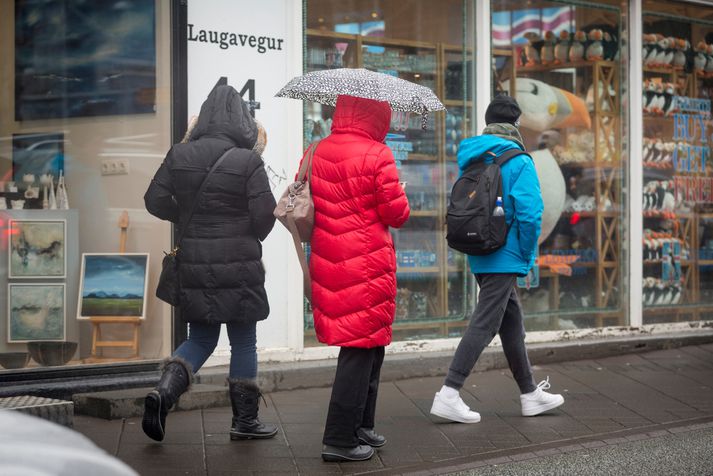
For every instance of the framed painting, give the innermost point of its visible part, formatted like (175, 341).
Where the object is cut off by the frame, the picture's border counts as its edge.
(37, 154)
(35, 312)
(37, 249)
(91, 59)
(113, 285)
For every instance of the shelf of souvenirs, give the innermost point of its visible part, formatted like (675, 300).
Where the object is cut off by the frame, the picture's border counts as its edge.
(568, 65)
(667, 214)
(429, 270)
(422, 157)
(593, 214)
(668, 167)
(325, 34)
(425, 213)
(592, 164)
(457, 103)
(678, 308)
(682, 262)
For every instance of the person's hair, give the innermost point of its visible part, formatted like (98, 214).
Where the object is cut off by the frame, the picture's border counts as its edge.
(261, 141)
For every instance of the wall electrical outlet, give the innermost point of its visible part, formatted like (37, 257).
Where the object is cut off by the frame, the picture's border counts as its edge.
(115, 167)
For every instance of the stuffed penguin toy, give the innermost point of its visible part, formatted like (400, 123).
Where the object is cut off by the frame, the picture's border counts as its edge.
(669, 96)
(679, 56)
(669, 52)
(649, 50)
(532, 49)
(562, 48)
(649, 95)
(661, 51)
(700, 60)
(547, 55)
(595, 50)
(576, 49)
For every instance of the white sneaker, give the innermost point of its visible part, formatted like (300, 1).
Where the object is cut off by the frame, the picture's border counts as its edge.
(539, 401)
(453, 409)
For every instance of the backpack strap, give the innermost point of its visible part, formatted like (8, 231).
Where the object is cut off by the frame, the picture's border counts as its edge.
(509, 154)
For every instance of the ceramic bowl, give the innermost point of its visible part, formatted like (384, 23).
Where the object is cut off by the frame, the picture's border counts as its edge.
(52, 354)
(14, 360)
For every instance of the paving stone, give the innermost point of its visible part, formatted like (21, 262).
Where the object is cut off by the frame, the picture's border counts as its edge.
(603, 397)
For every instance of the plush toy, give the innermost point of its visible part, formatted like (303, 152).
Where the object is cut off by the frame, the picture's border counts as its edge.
(649, 96)
(552, 187)
(669, 95)
(548, 48)
(532, 49)
(661, 51)
(595, 50)
(679, 56)
(701, 59)
(709, 60)
(669, 52)
(562, 48)
(649, 49)
(576, 49)
(547, 107)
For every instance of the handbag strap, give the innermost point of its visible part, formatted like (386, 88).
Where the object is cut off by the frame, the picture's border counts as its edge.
(197, 196)
(306, 278)
(305, 171)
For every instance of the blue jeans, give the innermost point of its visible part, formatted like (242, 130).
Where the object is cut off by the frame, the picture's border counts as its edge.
(202, 339)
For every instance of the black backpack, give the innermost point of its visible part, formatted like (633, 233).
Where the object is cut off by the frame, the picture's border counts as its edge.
(472, 228)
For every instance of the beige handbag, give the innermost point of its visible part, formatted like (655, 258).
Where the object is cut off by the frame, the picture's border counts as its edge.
(295, 210)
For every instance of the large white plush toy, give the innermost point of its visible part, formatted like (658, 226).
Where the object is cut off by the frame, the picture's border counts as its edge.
(547, 107)
(553, 190)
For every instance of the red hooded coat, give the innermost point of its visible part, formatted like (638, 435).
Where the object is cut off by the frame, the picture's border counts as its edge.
(357, 197)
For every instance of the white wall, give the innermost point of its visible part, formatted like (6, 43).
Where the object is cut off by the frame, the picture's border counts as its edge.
(280, 20)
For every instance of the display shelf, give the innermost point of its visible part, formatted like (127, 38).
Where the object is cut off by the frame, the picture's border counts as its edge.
(422, 157)
(589, 164)
(418, 270)
(539, 68)
(425, 213)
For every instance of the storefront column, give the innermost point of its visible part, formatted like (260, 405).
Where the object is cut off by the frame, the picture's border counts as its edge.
(636, 181)
(483, 62)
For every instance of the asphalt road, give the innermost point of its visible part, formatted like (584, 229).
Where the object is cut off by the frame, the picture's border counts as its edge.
(689, 453)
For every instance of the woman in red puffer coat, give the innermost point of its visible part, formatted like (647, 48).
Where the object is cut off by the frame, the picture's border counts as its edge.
(357, 197)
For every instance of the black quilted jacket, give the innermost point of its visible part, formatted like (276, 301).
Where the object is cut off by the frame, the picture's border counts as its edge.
(221, 272)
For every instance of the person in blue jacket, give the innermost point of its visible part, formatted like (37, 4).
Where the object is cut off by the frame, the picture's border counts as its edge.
(498, 310)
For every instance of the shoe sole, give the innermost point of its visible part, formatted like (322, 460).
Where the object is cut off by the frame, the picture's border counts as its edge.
(373, 445)
(251, 436)
(335, 458)
(151, 423)
(543, 408)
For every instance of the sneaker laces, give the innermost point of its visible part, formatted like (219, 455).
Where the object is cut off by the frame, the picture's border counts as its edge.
(544, 385)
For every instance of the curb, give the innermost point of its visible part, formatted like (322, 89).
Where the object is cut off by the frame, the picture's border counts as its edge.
(274, 377)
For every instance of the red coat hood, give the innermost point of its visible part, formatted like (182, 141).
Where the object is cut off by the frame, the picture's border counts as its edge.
(362, 116)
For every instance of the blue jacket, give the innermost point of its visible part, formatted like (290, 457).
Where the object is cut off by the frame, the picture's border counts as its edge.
(523, 206)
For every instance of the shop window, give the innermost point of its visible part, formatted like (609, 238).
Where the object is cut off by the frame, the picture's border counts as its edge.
(563, 62)
(678, 177)
(422, 42)
(84, 124)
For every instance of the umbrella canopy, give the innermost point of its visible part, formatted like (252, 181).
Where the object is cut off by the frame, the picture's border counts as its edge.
(324, 87)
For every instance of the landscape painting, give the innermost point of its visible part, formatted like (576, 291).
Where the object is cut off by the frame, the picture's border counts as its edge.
(37, 154)
(36, 312)
(80, 59)
(37, 249)
(113, 285)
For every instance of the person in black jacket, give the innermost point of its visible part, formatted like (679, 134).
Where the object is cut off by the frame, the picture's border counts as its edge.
(220, 269)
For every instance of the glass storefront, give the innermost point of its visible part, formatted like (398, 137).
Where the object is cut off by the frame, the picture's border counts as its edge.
(430, 43)
(677, 173)
(85, 121)
(86, 118)
(566, 65)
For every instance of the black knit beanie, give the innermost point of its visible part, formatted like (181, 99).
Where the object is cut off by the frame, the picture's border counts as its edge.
(503, 109)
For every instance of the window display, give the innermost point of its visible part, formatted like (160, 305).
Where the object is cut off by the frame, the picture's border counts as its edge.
(81, 133)
(677, 174)
(564, 64)
(415, 41)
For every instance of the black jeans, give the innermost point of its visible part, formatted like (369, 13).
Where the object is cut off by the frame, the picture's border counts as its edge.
(498, 311)
(354, 391)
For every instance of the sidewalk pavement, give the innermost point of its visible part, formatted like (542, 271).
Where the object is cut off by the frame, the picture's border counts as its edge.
(607, 402)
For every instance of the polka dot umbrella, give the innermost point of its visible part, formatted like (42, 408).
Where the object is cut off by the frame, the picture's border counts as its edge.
(324, 86)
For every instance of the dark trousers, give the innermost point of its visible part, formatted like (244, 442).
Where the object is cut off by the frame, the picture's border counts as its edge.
(353, 403)
(498, 312)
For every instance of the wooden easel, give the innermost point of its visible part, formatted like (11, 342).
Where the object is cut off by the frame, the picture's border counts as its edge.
(97, 341)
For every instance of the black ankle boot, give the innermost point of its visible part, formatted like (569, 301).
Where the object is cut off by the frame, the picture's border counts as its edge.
(175, 380)
(245, 399)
